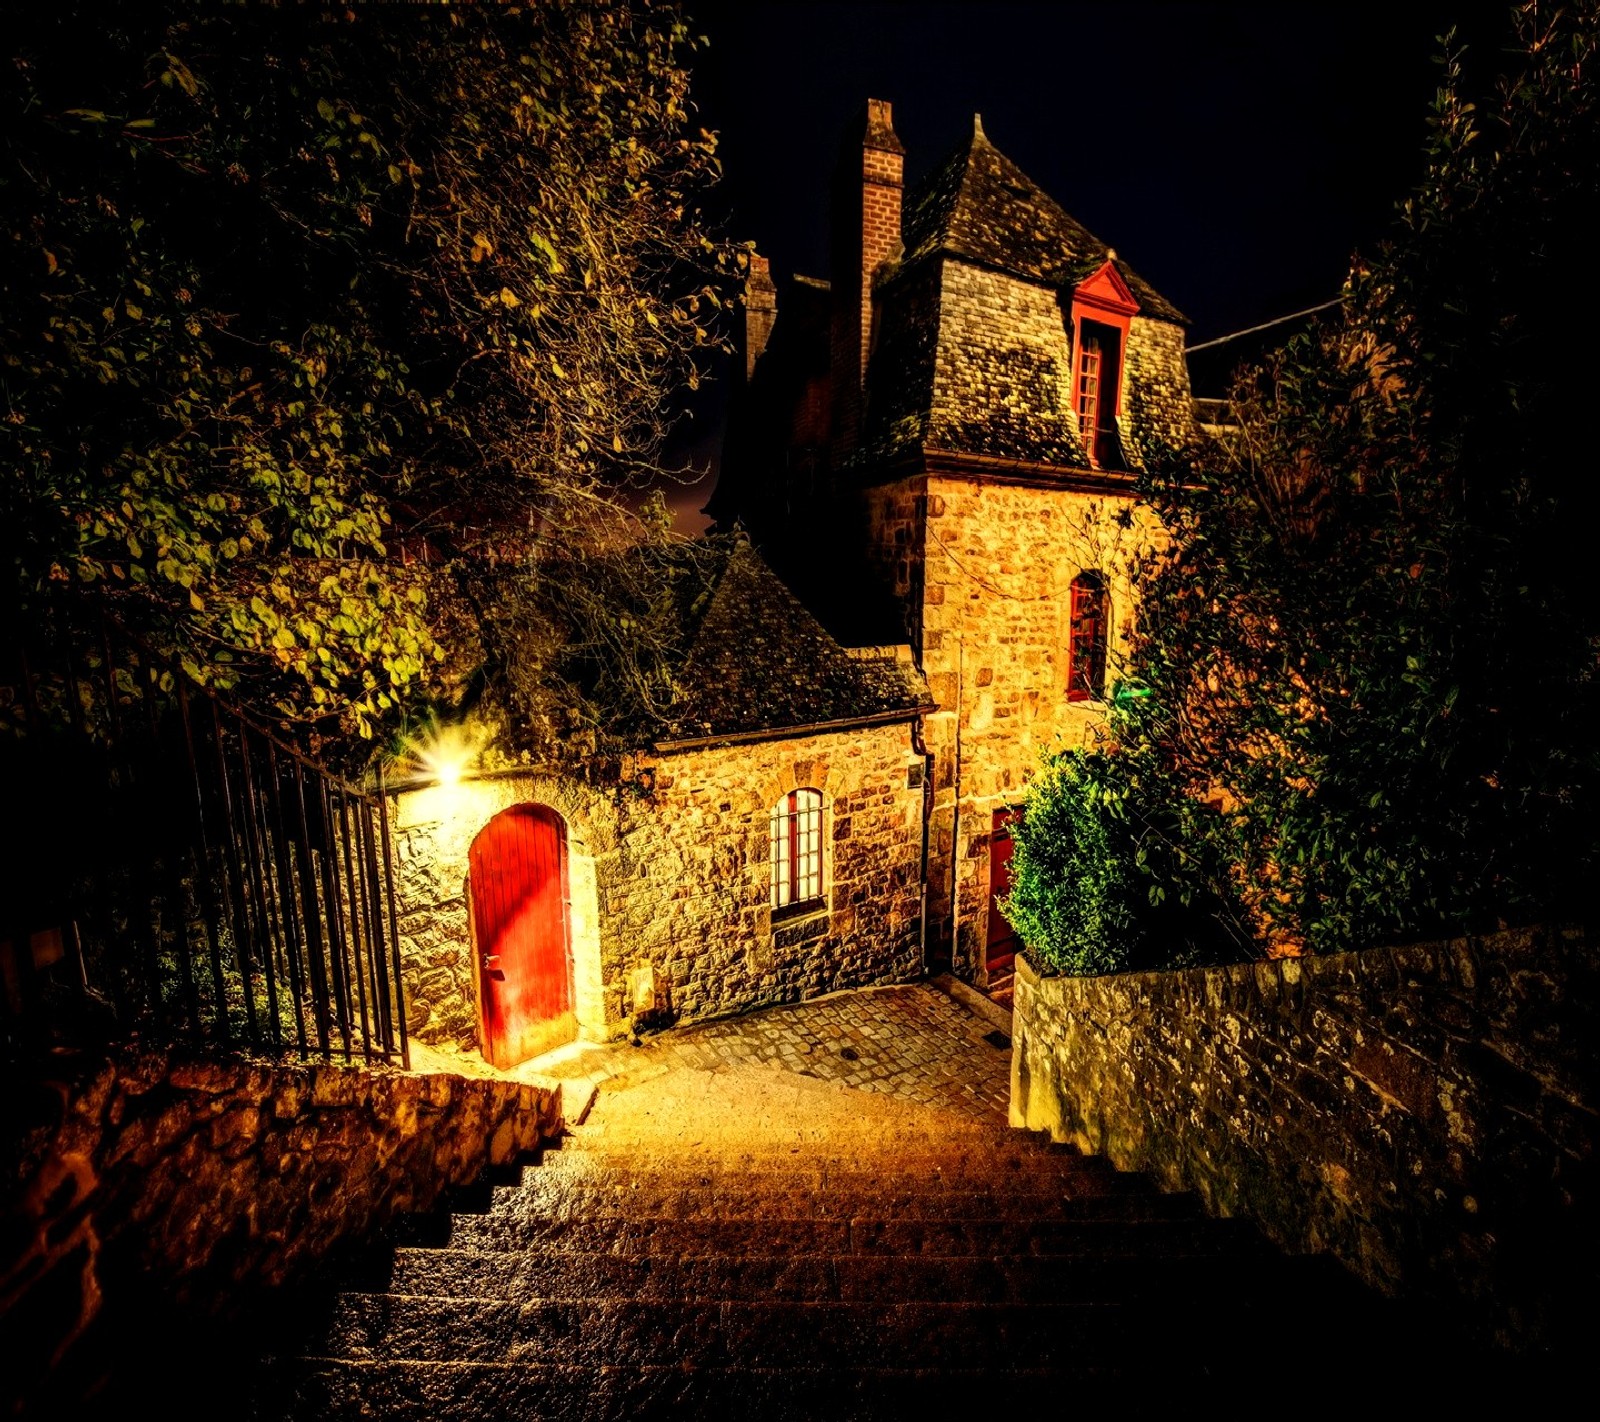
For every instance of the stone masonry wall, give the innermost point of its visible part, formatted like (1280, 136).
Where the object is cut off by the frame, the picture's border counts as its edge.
(146, 1180)
(687, 914)
(1427, 1114)
(992, 586)
(669, 882)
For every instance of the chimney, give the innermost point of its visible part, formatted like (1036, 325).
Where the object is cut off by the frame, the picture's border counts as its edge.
(760, 311)
(866, 235)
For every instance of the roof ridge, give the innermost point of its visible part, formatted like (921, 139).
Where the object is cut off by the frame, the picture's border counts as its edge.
(1018, 227)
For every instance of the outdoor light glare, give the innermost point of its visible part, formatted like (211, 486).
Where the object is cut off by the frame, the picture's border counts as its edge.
(446, 755)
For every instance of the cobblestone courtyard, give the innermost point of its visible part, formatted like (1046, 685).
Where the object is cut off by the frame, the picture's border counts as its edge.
(913, 1042)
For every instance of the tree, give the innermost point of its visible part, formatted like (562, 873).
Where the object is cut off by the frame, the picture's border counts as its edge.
(289, 290)
(1371, 645)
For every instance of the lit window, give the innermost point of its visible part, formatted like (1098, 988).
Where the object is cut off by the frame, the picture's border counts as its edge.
(1086, 645)
(796, 848)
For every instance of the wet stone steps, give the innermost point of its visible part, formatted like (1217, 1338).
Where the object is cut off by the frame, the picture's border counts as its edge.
(1103, 1275)
(1126, 1233)
(727, 1333)
(852, 1259)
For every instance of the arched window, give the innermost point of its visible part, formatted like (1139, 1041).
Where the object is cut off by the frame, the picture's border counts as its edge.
(796, 849)
(1086, 645)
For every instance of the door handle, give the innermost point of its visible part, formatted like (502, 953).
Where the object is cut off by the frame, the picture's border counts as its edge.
(491, 962)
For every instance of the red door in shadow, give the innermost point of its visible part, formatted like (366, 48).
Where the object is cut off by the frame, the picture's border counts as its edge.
(1002, 946)
(517, 908)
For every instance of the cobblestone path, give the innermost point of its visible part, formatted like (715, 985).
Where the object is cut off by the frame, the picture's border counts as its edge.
(912, 1042)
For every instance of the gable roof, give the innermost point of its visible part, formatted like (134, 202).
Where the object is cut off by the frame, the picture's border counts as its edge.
(760, 662)
(980, 207)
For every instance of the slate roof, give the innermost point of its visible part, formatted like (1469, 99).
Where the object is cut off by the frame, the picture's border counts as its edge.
(979, 206)
(759, 661)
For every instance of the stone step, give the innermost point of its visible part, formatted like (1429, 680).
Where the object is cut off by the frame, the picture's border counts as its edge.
(1104, 1278)
(763, 1334)
(1114, 1225)
(1022, 1174)
(949, 1134)
(558, 1199)
(517, 1222)
(334, 1390)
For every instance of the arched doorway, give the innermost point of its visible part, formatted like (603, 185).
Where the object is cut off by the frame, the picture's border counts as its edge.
(517, 907)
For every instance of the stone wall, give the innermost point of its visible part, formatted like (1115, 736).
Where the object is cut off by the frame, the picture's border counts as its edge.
(669, 882)
(987, 568)
(1157, 413)
(1426, 1114)
(148, 1181)
(691, 903)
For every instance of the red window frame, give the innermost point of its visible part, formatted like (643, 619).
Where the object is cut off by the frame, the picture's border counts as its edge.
(1102, 308)
(1087, 638)
(794, 840)
(1097, 391)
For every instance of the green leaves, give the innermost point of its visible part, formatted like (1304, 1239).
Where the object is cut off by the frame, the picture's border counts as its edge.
(1376, 616)
(301, 284)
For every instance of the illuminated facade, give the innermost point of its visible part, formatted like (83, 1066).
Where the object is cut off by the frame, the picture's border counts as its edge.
(942, 444)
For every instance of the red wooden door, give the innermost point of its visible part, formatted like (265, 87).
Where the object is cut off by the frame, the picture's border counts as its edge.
(517, 906)
(1002, 944)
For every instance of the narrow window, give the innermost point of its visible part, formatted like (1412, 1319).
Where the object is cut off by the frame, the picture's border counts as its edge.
(1086, 644)
(1097, 393)
(796, 849)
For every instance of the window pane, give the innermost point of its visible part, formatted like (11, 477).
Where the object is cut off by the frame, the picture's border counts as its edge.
(795, 848)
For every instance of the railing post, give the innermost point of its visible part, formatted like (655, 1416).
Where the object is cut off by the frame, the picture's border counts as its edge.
(311, 919)
(287, 916)
(394, 922)
(353, 910)
(337, 948)
(203, 884)
(260, 887)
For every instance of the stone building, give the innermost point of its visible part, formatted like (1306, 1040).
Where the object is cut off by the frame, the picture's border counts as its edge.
(943, 443)
(767, 848)
(937, 453)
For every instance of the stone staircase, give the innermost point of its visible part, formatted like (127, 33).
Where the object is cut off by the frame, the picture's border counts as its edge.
(844, 1256)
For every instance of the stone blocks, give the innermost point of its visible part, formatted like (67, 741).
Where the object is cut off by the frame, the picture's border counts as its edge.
(1427, 1114)
(149, 1179)
(676, 882)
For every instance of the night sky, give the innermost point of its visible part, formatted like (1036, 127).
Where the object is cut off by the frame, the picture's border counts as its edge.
(1235, 154)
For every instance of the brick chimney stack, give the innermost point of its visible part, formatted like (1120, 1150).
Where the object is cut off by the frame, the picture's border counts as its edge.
(760, 311)
(866, 235)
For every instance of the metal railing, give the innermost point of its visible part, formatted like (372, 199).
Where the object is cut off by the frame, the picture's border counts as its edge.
(183, 875)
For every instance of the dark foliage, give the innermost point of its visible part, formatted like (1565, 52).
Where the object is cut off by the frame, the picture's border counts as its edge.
(1371, 645)
(289, 290)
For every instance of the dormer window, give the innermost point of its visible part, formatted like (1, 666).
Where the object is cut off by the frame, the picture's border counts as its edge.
(1095, 398)
(1102, 306)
